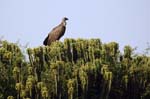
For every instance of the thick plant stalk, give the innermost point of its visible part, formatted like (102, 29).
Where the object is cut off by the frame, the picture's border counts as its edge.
(16, 74)
(18, 88)
(107, 76)
(84, 82)
(54, 71)
(109, 82)
(70, 85)
(44, 92)
(29, 51)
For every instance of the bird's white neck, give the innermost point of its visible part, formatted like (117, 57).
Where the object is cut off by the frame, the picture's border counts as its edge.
(64, 23)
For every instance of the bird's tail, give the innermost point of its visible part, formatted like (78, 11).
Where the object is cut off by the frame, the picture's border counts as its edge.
(45, 41)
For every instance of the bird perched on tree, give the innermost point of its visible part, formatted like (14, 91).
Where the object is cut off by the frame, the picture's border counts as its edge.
(56, 32)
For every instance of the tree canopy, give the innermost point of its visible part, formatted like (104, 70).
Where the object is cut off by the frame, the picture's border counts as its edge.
(74, 69)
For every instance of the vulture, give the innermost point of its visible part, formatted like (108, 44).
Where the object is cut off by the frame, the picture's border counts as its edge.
(56, 33)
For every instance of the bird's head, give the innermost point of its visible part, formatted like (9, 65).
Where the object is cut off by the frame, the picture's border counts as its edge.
(65, 18)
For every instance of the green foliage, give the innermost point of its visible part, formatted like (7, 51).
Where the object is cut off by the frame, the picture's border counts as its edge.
(74, 69)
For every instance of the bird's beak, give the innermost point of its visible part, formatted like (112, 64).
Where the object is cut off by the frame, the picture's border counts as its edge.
(66, 19)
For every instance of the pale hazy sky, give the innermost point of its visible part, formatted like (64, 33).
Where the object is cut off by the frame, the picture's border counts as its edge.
(124, 21)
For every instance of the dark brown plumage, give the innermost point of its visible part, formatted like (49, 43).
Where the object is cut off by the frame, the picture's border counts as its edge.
(56, 32)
